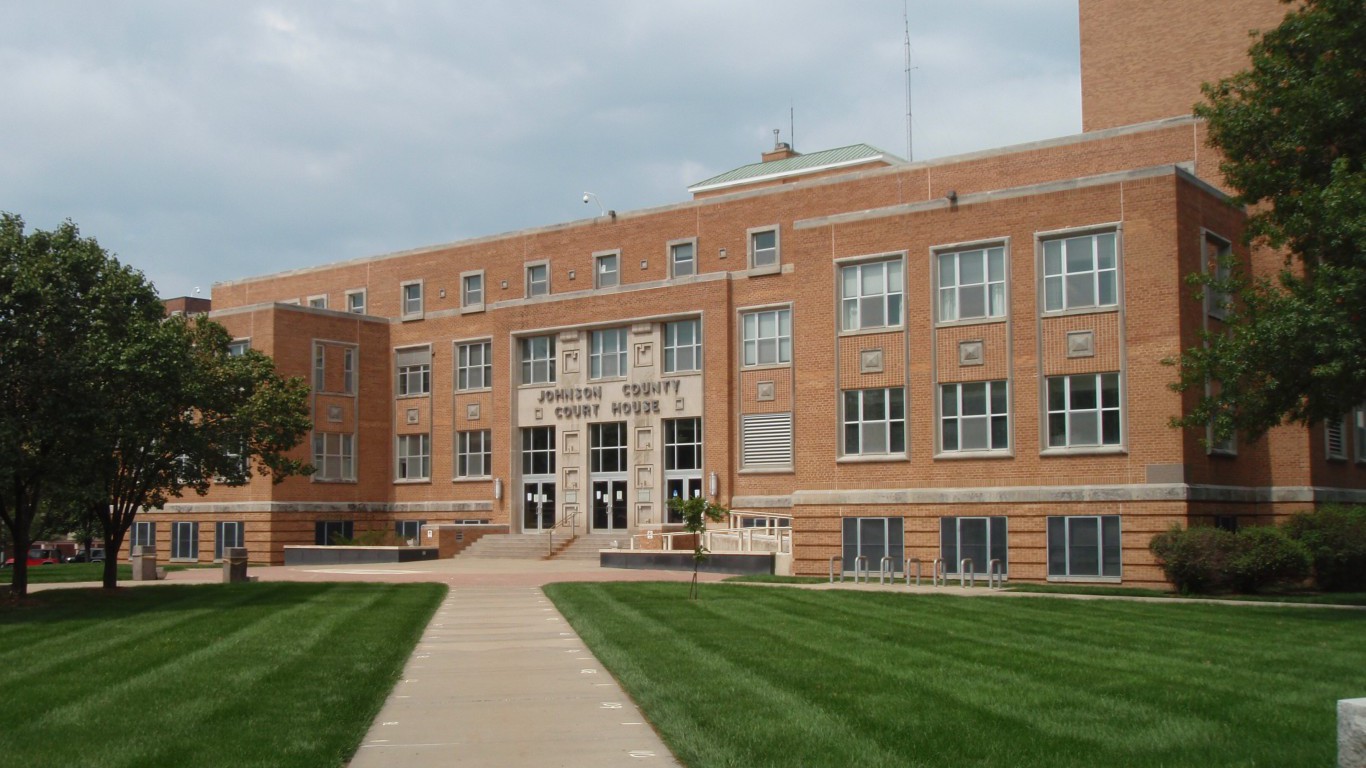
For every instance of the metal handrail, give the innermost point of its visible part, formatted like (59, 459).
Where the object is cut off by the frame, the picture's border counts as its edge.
(886, 568)
(939, 574)
(833, 558)
(996, 574)
(861, 564)
(907, 568)
(964, 566)
(570, 520)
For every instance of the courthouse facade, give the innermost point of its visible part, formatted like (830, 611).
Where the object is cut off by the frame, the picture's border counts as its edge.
(954, 358)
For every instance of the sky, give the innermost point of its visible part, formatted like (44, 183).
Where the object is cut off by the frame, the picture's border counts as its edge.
(203, 142)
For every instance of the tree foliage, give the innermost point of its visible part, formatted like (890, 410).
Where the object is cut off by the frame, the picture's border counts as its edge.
(1292, 129)
(696, 511)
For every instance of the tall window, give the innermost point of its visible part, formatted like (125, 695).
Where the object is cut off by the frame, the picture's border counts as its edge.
(349, 370)
(682, 461)
(226, 534)
(871, 295)
(319, 367)
(972, 284)
(538, 451)
(238, 347)
(606, 271)
(412, 299)
(974, 416)
(607, 447)
(472, 290)
(537, 280)
(767, 336)
(607, 353)
(144, 534)
(473, 366)
(1080, 272)
(409, 530)
(355, 302)
(538, 360)
(414, 371)
(979, 539)
(683, 346)
(334, 456)
(1084, 546)
(874, 421)
(330, 532)
(473, 454)
(1083, 410)
(682, 259)
(763, 248)
(414, 457)
(1218, 263)
(184, 541)
(872, 538)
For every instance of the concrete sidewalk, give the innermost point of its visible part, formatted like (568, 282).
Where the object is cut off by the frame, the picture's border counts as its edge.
(500, 679)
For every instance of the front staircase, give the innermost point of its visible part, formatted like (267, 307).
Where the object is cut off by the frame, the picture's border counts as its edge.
(585, 546)
(536, 546)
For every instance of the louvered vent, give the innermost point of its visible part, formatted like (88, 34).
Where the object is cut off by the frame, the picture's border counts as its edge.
(767, 440)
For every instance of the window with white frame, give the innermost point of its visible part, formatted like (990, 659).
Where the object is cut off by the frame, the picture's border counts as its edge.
(979, 539)
(349, 370)
(1080, 272)
(538, 360)
(473, 366)
(871, 295)
(473, 453)
(607, 353)
(683, 259)
(409, 530)
(414, 456)
(355, 302)
(472, 290)
(763, 248)
(1083, 410)
(1359, 432)
(144, 534)
(537, 280)
(766, 337)
(319, 367)
(683, 346)
(682, 462)
(317, 302)
(1218, 265)
(412, 299)
(226, 534)
(874, 422)
(238, 347)
(1084, 546)
(972, 284)
(328, 533)
(184, 541)
(766, 441)
(974, 416)
(1335, 438)
(334, 457)
(414, 366)
(606, 270)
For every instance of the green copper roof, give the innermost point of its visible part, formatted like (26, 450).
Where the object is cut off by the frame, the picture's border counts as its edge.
(801, 164)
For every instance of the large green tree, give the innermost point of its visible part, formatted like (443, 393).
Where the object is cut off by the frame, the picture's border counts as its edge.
(1292, 129)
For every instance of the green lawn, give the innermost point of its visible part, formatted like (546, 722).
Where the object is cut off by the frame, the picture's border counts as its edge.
(781, 677)
(65, 572)
(269, 674)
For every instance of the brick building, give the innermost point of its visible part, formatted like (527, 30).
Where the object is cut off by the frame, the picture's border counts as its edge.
(953, 358)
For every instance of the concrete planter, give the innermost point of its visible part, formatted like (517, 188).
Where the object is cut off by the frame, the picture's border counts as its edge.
(316, 555)
(735, 563)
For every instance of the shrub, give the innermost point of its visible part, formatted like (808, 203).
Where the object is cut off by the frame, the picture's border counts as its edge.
(1266, 556)
(1195, 559)
(1335, 536)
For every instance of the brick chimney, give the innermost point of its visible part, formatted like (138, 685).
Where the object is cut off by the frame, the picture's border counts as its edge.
(781, 150)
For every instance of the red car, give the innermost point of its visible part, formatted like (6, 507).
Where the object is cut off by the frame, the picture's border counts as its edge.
(39, 557)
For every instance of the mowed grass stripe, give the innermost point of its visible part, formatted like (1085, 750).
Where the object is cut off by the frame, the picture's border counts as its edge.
(974, 681)
(240, 675)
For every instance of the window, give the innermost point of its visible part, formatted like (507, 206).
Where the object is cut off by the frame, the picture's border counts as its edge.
(874, 422)
(682, 259)
(607, 447)
(472, 291)
(1080, 272)
(331, 532)
(226, 534)
(537, 280)
(349, 370)
(1083, 410)
(184, 541)
(1335, 438)
(767, 337)
(1218, 263)
(683, 346)
(144, 534)
(236, 465)
(606, 271)
(473, 366)
(607, 353)
(412, 299)
(974, 416)
(1086, 546)
(409, 531)
(414, 371)
(538, 451)
(414, 457)
(972, 284)
(763, 248)
(355, 302)
(980, 539)
(766, 441)
(1359, 432)
(682, 462)
(873, 538)
(317, 302)
(870, 295)
(538, 360)
(319, 367)
(238, 347)
(473, 455)
(334, 457)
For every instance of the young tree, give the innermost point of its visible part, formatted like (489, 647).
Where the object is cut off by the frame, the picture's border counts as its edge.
(1292, 129)
(696, 511)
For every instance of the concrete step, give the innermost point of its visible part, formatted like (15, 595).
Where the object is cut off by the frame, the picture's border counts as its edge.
(586, 547)
(511, 546)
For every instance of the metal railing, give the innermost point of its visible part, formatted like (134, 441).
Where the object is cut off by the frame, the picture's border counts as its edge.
(570, 521)
(861, 566)
(939, 576)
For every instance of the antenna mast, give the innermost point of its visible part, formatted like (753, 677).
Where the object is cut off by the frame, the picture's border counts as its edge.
(906, 19)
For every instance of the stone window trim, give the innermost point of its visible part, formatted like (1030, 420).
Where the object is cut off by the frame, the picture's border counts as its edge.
(740, 315)
(1043, 237)
(473, 452)
(411, 300)
(355, 301)
(413, 378)
(679, 352)
(673, 249)
(461, 362)
(536, 369)
(873, 423)
(607, 354)
(994, 413)
(1216, 302)
(890, 300)
(602, 276)
(761, 256)
(958, 250)
(413, 458)
(473, 288)
(536, 287)
(318, 301)
(1069, 410)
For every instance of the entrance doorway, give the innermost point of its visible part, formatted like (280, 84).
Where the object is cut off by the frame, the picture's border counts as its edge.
(609, 505)
(538, 506)
(607, 466)
(538, 478)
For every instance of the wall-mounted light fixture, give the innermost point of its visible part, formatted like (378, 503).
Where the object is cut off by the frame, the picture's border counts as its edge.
(604, 211)
(713, 483)
(953, 197)
(498, 488)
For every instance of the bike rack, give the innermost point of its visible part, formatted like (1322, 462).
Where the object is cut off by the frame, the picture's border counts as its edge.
(907, 569)
(886, 569)
(996, 574)
(833, 558)
(964, 572)
(938, 576)
(861, 566)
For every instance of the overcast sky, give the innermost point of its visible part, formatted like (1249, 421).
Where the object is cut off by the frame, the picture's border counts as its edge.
(203, 142)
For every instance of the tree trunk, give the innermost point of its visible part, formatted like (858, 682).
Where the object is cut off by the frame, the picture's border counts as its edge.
(113, 544)
(19, 585)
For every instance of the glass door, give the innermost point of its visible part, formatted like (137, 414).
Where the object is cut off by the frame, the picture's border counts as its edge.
(538, 505)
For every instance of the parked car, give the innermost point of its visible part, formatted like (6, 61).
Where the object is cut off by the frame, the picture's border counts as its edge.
(39, 557)
(95, 555)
